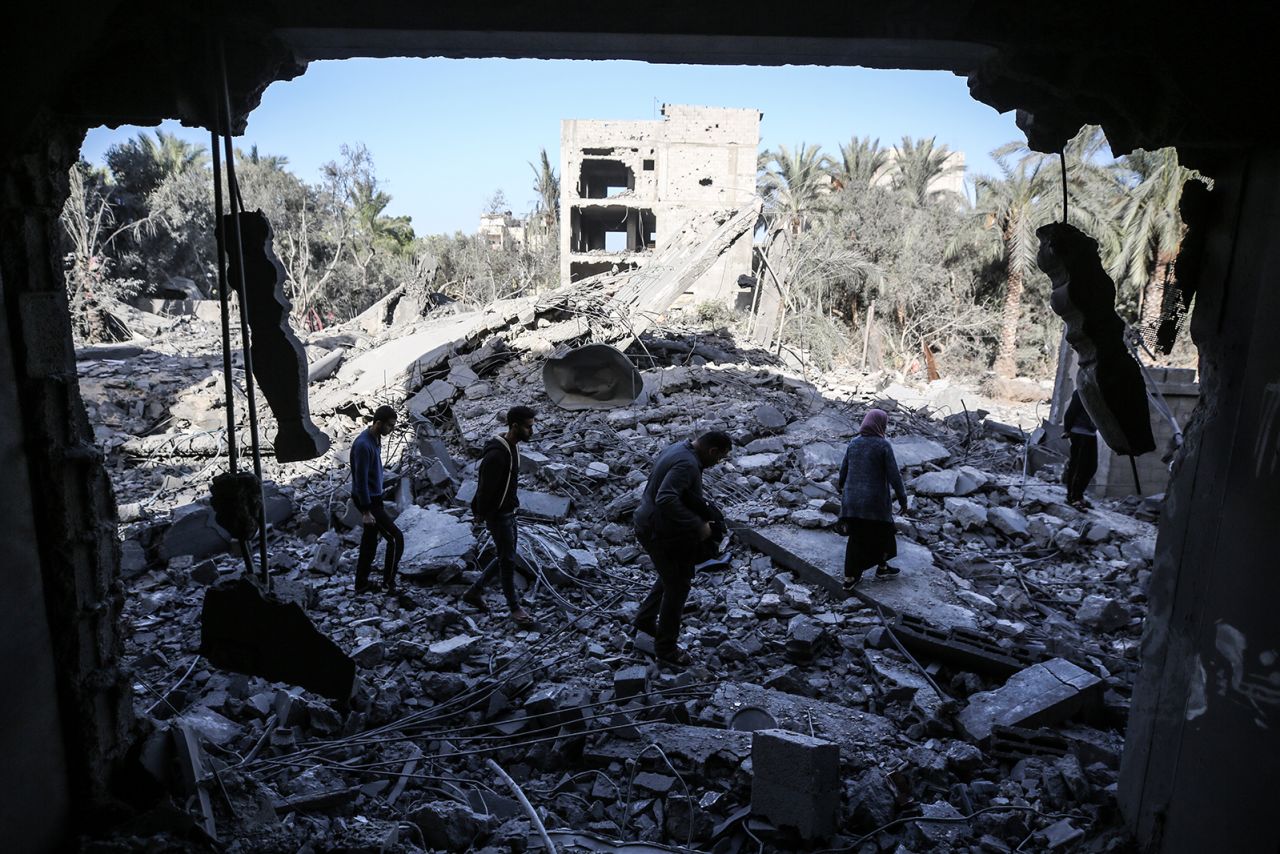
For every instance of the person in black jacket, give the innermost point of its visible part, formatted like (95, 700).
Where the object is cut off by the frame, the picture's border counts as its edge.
(495, 505)
(1078, 428)
(672, 522)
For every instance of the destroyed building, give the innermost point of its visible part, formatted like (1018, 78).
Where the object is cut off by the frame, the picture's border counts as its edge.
(631, 188)
(104, 679)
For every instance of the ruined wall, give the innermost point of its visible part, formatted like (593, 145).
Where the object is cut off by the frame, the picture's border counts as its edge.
(646, 179)
(1200, 770)
(71, 547)
(32, 765)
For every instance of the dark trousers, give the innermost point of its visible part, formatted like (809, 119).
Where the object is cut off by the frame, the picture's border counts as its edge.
(1081, 466)
(662, 609)
(383, 527)
(502, 528)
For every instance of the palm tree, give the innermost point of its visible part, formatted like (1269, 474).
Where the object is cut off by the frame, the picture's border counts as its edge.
(547, 185)
(862, 161)
(171, 155)
(918, 166)
(1007, 211)
(794, 185)
(1151, 227)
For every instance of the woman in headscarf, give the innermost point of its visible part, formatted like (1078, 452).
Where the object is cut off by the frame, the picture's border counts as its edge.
(868, 472)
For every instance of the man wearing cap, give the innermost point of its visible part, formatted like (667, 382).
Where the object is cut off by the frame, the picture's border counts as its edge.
(366, 494)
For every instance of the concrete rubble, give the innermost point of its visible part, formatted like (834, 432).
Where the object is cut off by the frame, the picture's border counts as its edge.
(994, 670)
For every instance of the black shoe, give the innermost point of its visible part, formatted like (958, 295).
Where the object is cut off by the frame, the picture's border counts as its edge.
(476, 600)
(368, 587)
(887, 571)
(391, 588)
(675, 657)
(851, 581)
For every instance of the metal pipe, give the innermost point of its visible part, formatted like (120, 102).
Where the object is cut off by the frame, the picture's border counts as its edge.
(242, 290)
(224, 297)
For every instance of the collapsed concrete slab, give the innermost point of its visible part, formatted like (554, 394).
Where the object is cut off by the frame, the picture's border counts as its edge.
(542, 505)
(1043, 693)
(817, 558)
(433, 539)
(700, 751)
(858, 733)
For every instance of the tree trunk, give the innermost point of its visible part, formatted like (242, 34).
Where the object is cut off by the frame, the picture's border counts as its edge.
(1153, 296)
(1006, 364)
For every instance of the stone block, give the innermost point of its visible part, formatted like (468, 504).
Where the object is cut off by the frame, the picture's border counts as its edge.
(630, 682)
(432, 539)
(1101, 613)
(1008, 520)
(965, 513)
(1040, 694)
(795, 781)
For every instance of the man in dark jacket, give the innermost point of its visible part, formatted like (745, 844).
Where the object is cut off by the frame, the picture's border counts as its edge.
(495, 505)
(1078, 428)
(366, 494)
(671, 523)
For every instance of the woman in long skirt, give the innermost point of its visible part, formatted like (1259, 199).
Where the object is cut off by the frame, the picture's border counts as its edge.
(867, 474)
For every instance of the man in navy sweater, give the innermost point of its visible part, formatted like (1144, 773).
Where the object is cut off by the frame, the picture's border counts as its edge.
(366, 494)
(495, 505)
(672, 522)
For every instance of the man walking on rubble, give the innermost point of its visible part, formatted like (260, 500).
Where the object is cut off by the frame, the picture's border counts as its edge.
(672, 522)
(366, 494)
(1078, 428)
(495, 504)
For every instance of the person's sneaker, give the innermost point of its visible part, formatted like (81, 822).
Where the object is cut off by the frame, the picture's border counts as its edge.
(675, 657)
(850, 582)
(887, 571)
(476, 600)
(368, 587)
(390, 588)
(523, 619)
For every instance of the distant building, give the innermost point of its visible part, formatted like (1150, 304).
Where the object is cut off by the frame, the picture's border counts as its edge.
(503, 231)
(630, 186)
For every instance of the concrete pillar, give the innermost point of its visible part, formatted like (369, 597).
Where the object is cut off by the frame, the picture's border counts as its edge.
(1200, 769)
(59, 517)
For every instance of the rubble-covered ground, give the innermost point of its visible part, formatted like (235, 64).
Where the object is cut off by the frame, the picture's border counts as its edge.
(995, 706)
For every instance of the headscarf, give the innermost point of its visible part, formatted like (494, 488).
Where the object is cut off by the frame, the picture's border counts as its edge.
(874, 423)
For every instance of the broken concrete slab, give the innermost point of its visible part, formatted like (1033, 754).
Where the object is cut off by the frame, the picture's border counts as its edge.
(1008, 520)
(542, 505)
(432, 539)
(243, 631)
(1102, 613)
(963, 647)
(821, 455)
(1043, 693)
(817, 558)
(857, 732)
(692, 749)
(967, 515)
(898, 680)
(194, 532)
(912, 451)
(436, 393)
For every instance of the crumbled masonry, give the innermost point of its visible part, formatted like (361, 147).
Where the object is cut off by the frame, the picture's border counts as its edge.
(995, 670)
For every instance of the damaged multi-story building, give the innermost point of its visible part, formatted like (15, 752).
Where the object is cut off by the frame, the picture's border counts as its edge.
(632, 187)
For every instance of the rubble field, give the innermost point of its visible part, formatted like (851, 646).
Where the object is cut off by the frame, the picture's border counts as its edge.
(976, 702)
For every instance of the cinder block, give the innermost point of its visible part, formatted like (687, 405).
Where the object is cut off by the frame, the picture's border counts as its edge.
(630, 681)
(814, 815)
(796, 761)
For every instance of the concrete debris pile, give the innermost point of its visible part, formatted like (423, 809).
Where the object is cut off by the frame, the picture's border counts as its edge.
(989, 679)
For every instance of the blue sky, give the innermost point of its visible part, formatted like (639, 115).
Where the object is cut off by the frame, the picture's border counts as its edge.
(444, 134)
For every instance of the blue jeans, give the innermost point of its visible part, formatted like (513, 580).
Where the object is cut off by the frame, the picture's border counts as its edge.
(502, 528)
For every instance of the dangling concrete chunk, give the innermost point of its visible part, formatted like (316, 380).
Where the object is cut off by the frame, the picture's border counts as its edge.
(279, 360)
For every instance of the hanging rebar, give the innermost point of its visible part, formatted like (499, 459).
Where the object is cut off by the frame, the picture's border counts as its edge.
(237, 247)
